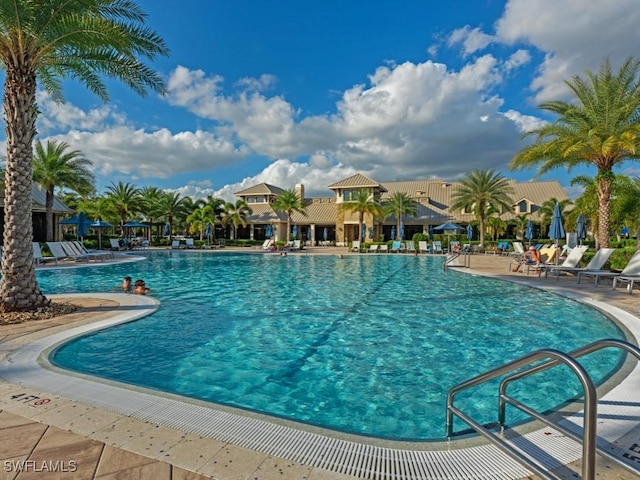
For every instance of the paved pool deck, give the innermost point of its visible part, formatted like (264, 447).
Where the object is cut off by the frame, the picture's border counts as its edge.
(50, 436)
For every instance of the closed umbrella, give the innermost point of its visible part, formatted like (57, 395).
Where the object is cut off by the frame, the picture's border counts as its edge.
(469, 232)
(431, 232)
(393, 232)
(556, 229)
(581, 228)
(370, 233)
(401, 231)
(528, 233)
(167, 229)
(269, 231)
(83, 230)
(325, 234)
(363, 231)
(294, 232)
(207, 231)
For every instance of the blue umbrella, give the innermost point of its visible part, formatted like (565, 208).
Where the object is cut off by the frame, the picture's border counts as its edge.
(581, 228)
(431, 231)
(401, 231)
(364, 231)
(625, 231)
(469, 232)
(370, 233)
(448, 226)
(69, 221)
(269, 231)
(309, 234)
(294, 231)
(83, 229)
(556, 230)
(325, 234)
(207, 231)
(167, 229)
(393, 232)
(528, 234)
(134, 224)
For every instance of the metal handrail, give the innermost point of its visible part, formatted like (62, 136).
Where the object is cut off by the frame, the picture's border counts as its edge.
(590, 406)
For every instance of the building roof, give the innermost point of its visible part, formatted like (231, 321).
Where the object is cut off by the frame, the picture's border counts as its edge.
(261, 189)
(357, 180)
(39, 201)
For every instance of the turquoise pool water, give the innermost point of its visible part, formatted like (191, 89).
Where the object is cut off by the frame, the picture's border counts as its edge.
(365, 344)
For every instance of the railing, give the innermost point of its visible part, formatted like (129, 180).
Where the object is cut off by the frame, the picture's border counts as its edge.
(554, 358)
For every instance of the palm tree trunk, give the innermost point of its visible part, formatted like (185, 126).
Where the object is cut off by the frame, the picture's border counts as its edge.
(19, 289)
(604, 201)
(49, 213)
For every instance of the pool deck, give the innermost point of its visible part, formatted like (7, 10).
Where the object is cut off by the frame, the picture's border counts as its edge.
(51, 436)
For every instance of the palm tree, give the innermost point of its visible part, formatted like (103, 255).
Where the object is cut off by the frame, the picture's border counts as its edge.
(480, 191)
(236, 214)
(289, 201)
(46, 42)
(363, 204)
(199, 218)
(600, 128)
(149, 200)
(56, 166)
(400, 204)
(520, 225)
(125, 198)
(171, 207)
(217, 207)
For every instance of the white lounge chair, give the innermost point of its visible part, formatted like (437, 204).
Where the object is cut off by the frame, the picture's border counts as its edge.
(115, 244)
(518, 250)
(355, 246)
(632, 269)
(373, 248)
(628, 280)
(571, 261)
(384, 248)
(37, 255)
(423, 247)
(597, 263)
(74, 253)
(411, 246)
(267, 244)
(57, 251)
(295, 245)
(437, 247)
(175, 244)
(97, 253)
(188, 243)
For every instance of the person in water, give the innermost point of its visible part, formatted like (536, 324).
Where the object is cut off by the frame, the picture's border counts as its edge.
(126, 285)
(141, 288)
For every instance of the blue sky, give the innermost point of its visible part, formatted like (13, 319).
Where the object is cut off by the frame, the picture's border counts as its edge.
(312, 92)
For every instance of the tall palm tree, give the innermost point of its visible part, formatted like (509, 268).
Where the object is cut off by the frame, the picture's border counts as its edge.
(198, 219)
(125, 198)
(599, 128)
(363, 204)
(479, 192)
(46, 42)
(149, 200)
(236, 215)
(57, 166)
(289, 201)
(172, 207)
(217, 207)
(520, 225)
(400, 204)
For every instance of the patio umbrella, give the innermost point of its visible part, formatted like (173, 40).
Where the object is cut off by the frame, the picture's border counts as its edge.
(69, 221)
(269, 231)
(528, 233)
(207, 231)
(401, 231)
(82, 229)
(431, 232)
(167, 229)
(308, 233)
(556, 230)
(581, 228)
(370, 233)
(325, 234)
(393, 232)
(364, 231)
(625, 231)
(99, 224)
(294, 232)
(469, 232)
(449, 229)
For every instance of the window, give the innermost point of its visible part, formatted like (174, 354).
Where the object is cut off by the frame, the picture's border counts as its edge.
(523, 207)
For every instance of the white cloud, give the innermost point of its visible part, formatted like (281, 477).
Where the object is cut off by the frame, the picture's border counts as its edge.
(574, 35)
(471, 39)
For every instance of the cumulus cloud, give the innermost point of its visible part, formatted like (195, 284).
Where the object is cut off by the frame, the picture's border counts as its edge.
(471, 39)
(574, 35)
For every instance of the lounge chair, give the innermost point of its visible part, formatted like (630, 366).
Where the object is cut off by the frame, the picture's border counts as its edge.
(396, 246)
(572, 260)
(175, 244)
(518, 250)
(628, 280)
(437, 247)
(355, 246)
(98, 254)
(631, 270)
(596, 263)
(384, 248)
(373, 248)
(267, 244)
(423, 247)
(37, 255)
(61, 254)
(188, 243)
(75, 253)
(411, 246)
(454, 247)
(115, 244)
(547, 257)
(295, 245)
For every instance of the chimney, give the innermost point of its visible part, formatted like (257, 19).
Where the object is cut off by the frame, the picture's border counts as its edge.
(299, 189)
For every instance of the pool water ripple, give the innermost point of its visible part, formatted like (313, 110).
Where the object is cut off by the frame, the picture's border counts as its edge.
(365, 344)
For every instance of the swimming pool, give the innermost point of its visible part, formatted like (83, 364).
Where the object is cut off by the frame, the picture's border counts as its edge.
(365, 344)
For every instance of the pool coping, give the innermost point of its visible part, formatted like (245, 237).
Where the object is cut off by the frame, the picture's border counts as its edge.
(25, 366)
